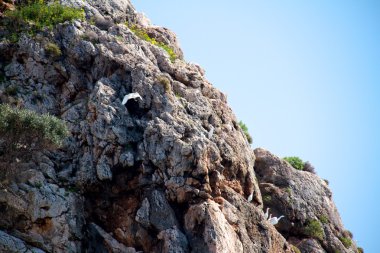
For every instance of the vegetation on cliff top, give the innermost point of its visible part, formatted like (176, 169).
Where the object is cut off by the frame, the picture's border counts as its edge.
(346, 241)
(37, 15)
(142, 34)
(245, 131)
(295, 162)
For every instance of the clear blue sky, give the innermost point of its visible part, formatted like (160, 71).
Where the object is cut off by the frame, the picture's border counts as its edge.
(305, 77)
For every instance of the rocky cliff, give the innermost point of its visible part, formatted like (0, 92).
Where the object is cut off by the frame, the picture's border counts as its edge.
(171, 172)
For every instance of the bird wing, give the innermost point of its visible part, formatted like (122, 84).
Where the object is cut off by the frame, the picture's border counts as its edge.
(138, 96)
(126, 98)
(130, 96)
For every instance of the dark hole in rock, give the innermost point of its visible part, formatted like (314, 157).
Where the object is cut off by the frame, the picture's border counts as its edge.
(3, 207)
(20, 60)
(134, 108)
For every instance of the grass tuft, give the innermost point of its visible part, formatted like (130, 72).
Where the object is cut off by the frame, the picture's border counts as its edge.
(36, 15)
(53, 50)
(314, 229)
(245, 131)
(346, 241)
(142, 34)
(295, 162)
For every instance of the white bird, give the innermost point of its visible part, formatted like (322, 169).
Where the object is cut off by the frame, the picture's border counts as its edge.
(266, 214)
(211, 132)
(129, 96)
(250, 197)
(275, 220)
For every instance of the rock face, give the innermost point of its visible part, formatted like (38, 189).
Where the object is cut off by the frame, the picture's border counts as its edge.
(304, 199)
(169, 173)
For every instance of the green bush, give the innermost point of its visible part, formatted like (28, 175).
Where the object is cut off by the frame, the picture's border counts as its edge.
(142, 34)
(296, 162)
(314, 229)
(165, 82)
(346, 241)
(245, 131)
(267, 198)
(36, 15)
(324, 219)
(22, 131)
(53, 50)
(360, 250)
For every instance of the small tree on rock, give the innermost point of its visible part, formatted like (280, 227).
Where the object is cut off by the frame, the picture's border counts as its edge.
(23, 132)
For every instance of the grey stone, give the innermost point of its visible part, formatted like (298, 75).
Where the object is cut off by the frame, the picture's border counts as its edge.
(12, 244)
(173, 241)
(101, 242)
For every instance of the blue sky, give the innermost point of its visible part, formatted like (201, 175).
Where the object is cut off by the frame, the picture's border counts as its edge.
(305, 78)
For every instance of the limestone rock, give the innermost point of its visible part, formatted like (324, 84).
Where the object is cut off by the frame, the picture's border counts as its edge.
(169, 173)
(101, 241)
(306, 202)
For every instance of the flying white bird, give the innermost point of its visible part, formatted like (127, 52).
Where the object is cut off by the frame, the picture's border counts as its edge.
(275, 220)
(266, 214)
(129, 96)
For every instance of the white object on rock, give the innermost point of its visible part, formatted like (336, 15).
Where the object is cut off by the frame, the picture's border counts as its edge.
(211, 132)
(250, 197)
(129, 96)
(275, 220)
(266, 214)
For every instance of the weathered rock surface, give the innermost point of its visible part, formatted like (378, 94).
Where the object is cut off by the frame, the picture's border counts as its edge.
(169, 173)
(302, 197)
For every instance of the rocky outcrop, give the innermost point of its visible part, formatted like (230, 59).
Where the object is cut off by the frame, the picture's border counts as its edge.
(312, 221)
(169, 173)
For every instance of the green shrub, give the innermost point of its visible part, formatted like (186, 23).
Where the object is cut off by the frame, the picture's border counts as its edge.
(36, 15)
(165, 82)
(53, 49)
(296, 162)
(360, 250)
(267, 198)
(324, 219)
(142, 34)
(346, 241)
(314, 229)
(23, 131)
(245, 131)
